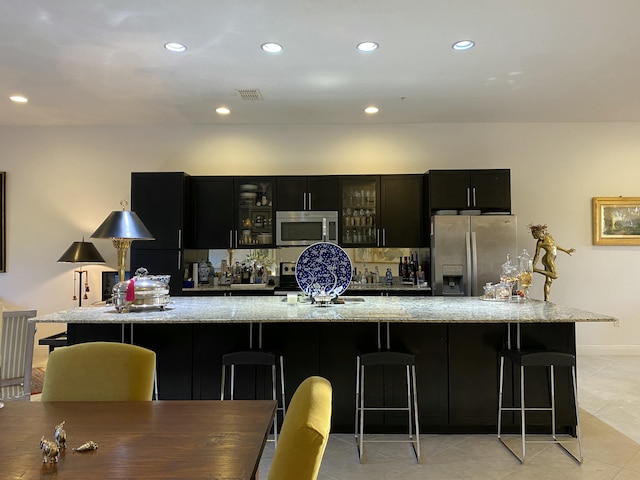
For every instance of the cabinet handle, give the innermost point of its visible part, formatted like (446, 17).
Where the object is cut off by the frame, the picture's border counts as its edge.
(384, 237)
(309, 201)
(179, 238)
(468, 197)
(179, 260)
(230, 238)
(377, 237)
(474, 196)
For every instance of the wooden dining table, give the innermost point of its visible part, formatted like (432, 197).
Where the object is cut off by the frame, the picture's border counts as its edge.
(207, 439)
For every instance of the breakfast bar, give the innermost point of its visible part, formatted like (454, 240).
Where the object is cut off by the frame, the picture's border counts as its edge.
(456, 341)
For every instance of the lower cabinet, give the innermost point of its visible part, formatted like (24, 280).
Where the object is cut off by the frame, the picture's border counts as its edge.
(457, 368)
(171, 342)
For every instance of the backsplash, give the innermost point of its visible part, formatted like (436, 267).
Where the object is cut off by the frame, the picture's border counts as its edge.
(361, 258)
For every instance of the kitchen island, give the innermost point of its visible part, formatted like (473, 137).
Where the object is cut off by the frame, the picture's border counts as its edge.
(456, 341)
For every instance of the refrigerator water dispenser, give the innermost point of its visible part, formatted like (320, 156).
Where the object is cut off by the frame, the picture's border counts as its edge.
(452, 280)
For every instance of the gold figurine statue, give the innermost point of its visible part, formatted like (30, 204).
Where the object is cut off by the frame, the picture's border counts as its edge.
(61, 436)
(548, 244)
(50, 451)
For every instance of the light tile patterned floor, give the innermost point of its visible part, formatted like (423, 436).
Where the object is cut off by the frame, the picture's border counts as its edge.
(609, 391)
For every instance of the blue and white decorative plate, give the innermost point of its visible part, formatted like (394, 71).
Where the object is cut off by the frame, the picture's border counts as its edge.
(323, 267)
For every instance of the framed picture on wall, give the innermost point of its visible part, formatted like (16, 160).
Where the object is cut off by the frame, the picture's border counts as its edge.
(109, 280)
(3, 224)
(616, 220)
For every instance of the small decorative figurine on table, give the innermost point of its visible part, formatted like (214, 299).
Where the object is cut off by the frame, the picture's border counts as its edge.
(50, 451)
(85, 447)
(548, 244)
(61, 436)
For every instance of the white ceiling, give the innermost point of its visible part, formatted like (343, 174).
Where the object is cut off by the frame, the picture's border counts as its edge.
(91, 62)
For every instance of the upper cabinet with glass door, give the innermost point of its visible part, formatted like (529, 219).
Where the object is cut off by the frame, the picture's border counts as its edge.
(359, 211)
(382, 211)
(255, 212)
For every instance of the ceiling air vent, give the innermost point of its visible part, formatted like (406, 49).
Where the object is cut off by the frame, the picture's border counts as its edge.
(251, 94)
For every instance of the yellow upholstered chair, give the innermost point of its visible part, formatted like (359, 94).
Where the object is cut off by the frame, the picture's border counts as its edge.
(99, 371)
(305, 432)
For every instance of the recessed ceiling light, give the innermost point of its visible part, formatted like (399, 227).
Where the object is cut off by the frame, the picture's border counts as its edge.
(223, 111)
(371, 110)
(463, 45)
(175, 47)
(367, 46)
(18, 99)
(271, 47)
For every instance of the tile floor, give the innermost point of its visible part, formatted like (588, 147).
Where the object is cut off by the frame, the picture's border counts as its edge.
(609, 392)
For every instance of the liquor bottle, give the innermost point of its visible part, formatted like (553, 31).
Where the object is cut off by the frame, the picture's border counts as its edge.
(415, 267)
(389, 277)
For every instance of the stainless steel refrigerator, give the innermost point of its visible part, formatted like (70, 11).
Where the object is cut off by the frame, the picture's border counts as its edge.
(468, 251)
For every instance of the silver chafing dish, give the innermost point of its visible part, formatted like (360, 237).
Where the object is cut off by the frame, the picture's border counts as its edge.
(149, 291)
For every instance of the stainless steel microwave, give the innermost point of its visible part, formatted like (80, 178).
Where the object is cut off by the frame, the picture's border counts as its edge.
(306, 228)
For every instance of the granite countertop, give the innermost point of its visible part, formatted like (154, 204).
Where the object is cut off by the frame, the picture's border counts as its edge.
(419, 309)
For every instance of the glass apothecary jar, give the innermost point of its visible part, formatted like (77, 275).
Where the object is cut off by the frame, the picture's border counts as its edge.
(509, 275)
(525, 274)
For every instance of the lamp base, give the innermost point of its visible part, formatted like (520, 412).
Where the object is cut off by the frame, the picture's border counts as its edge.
(122, 245)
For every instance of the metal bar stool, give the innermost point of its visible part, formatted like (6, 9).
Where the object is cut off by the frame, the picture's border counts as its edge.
(537, 358)
(257, 358)
(383, 358)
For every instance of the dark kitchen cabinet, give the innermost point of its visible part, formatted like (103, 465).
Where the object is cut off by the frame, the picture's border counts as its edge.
(170, 342)
(232, 212)
(255, 212)
(359, 210)
(402, 210)
(382, 211)
(319, 193)
(160, 200)
(473, 365)
(212, 207)
(457, 367)
(486, 190)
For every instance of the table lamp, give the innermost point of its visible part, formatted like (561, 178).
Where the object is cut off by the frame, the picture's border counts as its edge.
(81, 252)
(122, 227)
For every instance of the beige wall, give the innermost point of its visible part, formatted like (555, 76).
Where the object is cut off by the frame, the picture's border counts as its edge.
(62, 182)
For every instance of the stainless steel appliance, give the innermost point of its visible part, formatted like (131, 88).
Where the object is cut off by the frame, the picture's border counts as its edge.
(299, 228)
(467, 251)
(288, 276)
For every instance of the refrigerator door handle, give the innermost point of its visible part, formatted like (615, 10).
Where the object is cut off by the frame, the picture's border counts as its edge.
(468, 279)
(474, 266)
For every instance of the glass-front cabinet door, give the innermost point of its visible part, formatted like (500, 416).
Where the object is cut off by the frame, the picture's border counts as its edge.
(359, 210)
(255, 215)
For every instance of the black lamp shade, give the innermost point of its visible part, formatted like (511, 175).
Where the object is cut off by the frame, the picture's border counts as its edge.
(123, 224)
(81, 252)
